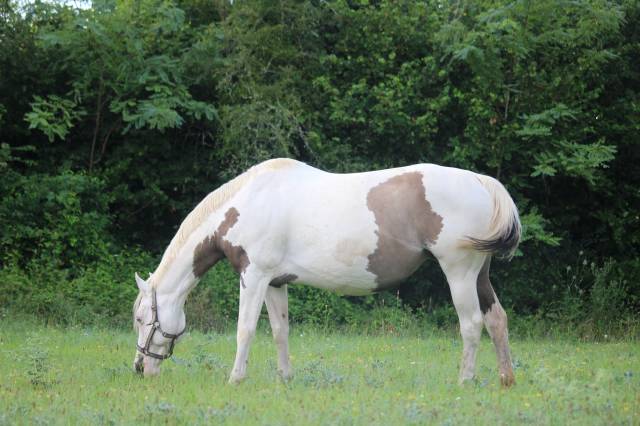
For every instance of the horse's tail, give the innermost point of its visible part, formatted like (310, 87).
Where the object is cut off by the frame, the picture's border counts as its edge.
(505, 230)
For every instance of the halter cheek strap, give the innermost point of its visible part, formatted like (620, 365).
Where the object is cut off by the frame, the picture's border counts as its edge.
(155, 326)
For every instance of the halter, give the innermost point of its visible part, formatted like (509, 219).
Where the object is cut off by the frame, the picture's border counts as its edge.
(155, 323)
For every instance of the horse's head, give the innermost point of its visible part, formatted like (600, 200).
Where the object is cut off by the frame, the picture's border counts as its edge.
(159, 322)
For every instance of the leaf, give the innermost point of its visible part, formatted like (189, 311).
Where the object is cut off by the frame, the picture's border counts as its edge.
(53, 115)
(534, 229)
(531, 130)
(543, 170)
(468, 52)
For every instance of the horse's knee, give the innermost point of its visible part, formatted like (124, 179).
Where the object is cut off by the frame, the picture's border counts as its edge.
(280, 334)
(246, 334)
(471, 327)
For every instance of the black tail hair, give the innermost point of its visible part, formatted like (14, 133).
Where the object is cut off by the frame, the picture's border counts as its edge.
(504, 245)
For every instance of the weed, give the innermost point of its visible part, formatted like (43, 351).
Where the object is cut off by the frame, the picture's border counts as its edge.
(97, 418)
(212, 415)
(161, 412)
(209, 361)
(162, 408)
(414, 413)
(317, 375)
(113, 373)
(39, 365)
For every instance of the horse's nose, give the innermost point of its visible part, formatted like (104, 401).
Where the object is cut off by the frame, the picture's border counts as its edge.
(151, 367)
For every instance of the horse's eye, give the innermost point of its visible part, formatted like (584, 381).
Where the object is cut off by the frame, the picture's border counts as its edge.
(139, 320)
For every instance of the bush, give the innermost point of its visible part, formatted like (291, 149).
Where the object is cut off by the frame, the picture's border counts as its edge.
(597, 301)
(102, 293)
(60, 221)
(213, 304)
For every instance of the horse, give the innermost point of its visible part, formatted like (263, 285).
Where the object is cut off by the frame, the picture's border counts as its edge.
(284, 222)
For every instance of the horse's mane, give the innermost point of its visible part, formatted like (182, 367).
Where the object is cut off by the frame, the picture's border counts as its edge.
(135, 308)
(210, 204)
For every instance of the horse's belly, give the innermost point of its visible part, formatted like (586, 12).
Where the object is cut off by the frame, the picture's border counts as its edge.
(349, 283)
(332, 269)
(348, 271)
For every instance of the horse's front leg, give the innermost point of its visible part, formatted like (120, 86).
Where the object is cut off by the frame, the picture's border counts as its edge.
(278, 308)
(252, 294)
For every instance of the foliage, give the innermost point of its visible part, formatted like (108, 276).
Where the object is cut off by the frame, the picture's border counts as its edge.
(59, 220)
(598, 299)
(53, 116)
(99, 294)
(115, 120)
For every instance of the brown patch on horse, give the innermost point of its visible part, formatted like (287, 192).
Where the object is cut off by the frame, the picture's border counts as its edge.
(486, 295)
(406, 226)
(213, 248)
(205, 256)
(283, 279)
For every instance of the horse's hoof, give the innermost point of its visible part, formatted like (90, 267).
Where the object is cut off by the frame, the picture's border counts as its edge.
(285, 377)
(234, 380)
(507, 380)
(467, 381)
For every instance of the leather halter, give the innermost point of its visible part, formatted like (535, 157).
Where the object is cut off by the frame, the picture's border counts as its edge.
(155, 326)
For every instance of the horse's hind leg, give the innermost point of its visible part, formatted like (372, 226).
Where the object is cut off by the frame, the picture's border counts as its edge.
(252, 295)
(495, 319)
(278, 308)
(462, 271)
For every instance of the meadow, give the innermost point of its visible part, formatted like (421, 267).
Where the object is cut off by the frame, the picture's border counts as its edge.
(75, 375)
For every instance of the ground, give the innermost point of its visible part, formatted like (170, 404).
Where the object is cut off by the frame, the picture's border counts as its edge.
(51, 375)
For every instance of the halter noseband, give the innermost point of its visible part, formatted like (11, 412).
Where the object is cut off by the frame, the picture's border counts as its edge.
(155, 326)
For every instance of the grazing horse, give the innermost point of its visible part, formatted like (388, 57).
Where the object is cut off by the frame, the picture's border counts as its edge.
(284, 222)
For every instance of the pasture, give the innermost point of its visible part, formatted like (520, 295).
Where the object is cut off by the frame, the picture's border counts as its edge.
(51, 375)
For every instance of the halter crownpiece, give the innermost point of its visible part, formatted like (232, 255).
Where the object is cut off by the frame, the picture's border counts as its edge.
(155, 326)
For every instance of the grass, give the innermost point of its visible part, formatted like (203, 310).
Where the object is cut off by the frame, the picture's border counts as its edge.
(51, 375)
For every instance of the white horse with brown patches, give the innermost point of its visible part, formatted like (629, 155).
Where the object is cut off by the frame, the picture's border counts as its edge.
(285, 222)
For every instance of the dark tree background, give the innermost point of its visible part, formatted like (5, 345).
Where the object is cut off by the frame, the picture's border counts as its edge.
(117, 119)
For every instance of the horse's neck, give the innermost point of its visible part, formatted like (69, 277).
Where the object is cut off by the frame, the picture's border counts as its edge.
(176, 274)
(175, 280)
(196, 246)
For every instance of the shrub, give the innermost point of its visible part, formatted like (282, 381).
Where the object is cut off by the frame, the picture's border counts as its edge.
(102, 293)
(60, 220)
(213, 304)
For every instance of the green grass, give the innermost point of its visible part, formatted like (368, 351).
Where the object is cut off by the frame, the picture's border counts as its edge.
(52, 375)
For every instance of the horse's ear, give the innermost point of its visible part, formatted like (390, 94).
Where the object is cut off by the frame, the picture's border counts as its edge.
(142, 284)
